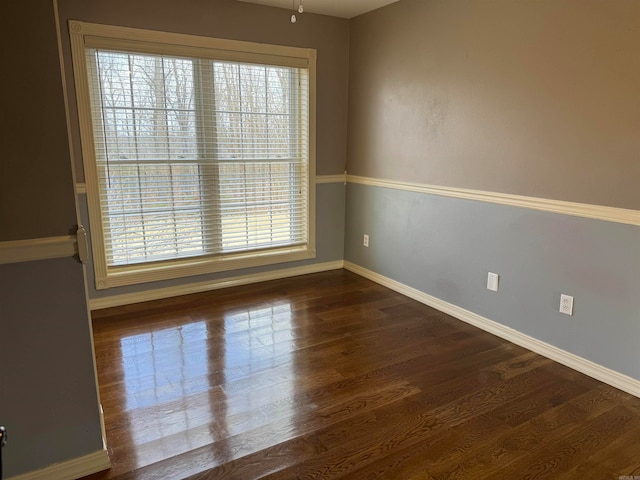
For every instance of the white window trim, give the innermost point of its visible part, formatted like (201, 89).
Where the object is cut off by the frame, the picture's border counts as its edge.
(85, 35)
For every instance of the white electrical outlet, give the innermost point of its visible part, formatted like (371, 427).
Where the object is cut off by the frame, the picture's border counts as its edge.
(493, 280)
(365, 241)
(566, 304)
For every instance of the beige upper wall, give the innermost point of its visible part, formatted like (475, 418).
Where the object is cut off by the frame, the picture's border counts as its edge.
(238, 21)
(530, 97)
(36, 191)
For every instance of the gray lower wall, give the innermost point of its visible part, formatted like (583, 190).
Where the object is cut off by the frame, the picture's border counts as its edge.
(48, 399)
(330, 208)
(445, 247)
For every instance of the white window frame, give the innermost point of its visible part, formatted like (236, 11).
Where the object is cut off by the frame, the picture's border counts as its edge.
(87, 35)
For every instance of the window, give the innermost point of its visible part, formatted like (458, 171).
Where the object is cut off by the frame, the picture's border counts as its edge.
(198, 152)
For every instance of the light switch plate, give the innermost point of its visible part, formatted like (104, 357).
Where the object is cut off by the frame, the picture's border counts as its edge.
(493, 280)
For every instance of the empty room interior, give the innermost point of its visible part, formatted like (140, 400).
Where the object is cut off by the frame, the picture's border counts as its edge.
(320, 239)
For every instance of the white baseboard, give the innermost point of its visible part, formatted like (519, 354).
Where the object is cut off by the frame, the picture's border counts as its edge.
(156, 294)
(603, 374)
(72, 469)
(103, 427)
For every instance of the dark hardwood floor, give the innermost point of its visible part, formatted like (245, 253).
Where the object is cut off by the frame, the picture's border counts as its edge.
(332, 376)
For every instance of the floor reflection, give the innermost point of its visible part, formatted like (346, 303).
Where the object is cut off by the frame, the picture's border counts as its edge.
(257, 340)
(165, 365)
(202, 383)
(166, 376)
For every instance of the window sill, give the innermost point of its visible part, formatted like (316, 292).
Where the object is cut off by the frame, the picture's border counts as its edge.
(171, 269)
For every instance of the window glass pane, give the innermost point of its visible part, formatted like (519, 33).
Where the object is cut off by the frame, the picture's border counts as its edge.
(259, 205)
(151, 199)
(154, 212)
(197, 157)
(258, 196)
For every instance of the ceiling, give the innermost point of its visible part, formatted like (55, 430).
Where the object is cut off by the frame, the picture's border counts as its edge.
(335, 8)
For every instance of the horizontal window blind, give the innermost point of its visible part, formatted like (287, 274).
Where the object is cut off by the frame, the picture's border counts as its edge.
(198, 157)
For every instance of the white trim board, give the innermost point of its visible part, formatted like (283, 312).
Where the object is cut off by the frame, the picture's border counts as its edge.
(71, 469)
(603, 374)
(17, 251)
(81, 188)
(598, 212)
(166, 292)
(342, 178)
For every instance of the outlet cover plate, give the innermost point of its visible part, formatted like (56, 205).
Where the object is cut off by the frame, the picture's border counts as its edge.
(566, 304)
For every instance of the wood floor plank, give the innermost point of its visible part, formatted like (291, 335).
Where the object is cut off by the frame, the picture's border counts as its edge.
(622, 450)
(425, 455)
(497, 452)
(539, 400)
(332, 376)
(555, 458)
(338, 462)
